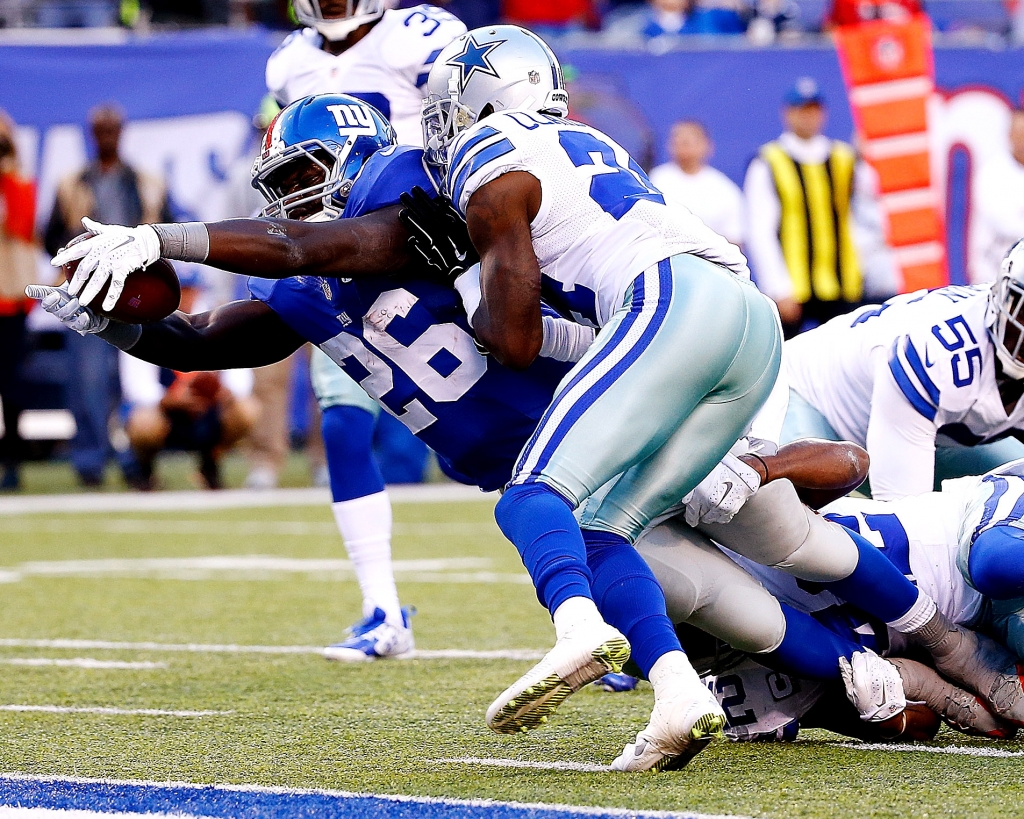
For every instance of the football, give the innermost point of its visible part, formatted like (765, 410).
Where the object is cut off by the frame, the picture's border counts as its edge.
(149, 294)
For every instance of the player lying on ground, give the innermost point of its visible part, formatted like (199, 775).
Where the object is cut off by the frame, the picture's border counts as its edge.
(921, 535)
(562, 565)
(929, 382)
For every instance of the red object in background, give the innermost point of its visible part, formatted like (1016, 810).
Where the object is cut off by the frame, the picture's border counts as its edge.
(852, 12)
(890, 75)
(550, 12)
(19, 206)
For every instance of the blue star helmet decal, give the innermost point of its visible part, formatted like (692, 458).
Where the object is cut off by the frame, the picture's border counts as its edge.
(474, 58)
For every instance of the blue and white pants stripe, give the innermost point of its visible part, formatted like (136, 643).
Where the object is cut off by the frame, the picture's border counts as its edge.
(672, 381)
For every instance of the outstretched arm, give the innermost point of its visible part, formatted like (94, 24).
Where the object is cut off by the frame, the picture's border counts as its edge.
(269, 248)
(508, 321)
(237, 334)
(279, 248)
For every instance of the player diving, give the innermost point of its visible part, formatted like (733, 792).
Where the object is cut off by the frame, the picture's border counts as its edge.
(519, 177)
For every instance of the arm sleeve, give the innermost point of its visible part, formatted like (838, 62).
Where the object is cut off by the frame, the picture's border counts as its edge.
(901, 431)
(763, 247)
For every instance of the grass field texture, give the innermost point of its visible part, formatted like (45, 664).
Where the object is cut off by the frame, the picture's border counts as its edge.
(272, 577)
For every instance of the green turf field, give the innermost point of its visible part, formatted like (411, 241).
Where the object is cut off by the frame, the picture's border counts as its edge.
(292, 719)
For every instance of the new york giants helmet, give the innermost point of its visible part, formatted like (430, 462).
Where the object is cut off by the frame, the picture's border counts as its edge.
(312, 153)
(1006, 304)
(488, 70)
(336, 19)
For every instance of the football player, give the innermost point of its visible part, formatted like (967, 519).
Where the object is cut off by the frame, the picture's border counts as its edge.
(389, 332)
(962, 545)
(557, 209)
(929, 382)
(742, 346)
(367, 49)
(370, 51)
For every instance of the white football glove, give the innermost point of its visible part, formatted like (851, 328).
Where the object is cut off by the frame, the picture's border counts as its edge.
(722, 493)
(873, 685)
(57, 301)
(112, 252)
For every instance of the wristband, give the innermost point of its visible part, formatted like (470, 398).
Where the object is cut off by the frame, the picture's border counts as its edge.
(121, 335)
(185, 242)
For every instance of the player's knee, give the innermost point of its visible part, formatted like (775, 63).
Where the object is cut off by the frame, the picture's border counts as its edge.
(745, 616)
(828, 553)
(770, 527)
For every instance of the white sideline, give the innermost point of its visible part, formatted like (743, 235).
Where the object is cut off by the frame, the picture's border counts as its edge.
(522, 763)
(957, 750)
(81, 662)
(627, 813)
(230, 528)
(203, 648)
(227, 499)
(117, 712)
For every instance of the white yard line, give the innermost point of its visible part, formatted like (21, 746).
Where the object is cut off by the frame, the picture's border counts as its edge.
(225, 528)
(261, 567)
(956, 750)
(414, 800)
(81, 662)
(522, 763)
(117, 712)
(227, 499)
(204, 648)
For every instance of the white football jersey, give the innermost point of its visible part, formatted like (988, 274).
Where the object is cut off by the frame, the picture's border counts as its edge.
(388, 68)
(933, 346)
(921, 535)
(601, 223)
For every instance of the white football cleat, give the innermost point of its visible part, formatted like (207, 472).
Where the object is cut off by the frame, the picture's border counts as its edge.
(680, 728)
(373, 638)
(585, 654)
(873, 685)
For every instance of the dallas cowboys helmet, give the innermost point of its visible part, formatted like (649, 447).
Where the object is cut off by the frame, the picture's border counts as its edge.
(336, 19)
(488, 70)
(1006, 303)
(312, 153)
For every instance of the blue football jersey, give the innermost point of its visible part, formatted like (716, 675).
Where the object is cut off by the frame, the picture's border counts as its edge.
(406, 340)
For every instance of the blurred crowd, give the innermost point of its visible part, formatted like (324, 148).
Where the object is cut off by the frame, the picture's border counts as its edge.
(658, 24)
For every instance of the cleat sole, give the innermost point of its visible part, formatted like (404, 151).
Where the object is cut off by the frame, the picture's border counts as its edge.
(531, 708)
(706, 728)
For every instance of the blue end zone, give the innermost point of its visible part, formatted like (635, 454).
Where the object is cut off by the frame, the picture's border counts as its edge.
(234, 802)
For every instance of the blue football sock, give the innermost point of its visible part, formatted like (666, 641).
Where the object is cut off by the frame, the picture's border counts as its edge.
(348, 443)
(876, 586)
(540, 523)
(629, 597)
(995, 564)
(808, 650)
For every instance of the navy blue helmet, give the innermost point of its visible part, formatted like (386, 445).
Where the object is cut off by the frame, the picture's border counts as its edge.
(312, 153)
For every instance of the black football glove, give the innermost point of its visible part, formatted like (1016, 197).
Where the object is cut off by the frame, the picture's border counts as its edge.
(437, 233)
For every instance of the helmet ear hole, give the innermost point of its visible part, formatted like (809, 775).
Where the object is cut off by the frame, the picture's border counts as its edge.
(486, 111)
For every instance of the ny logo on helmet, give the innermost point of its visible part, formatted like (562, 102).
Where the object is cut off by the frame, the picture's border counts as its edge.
(353, 120)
